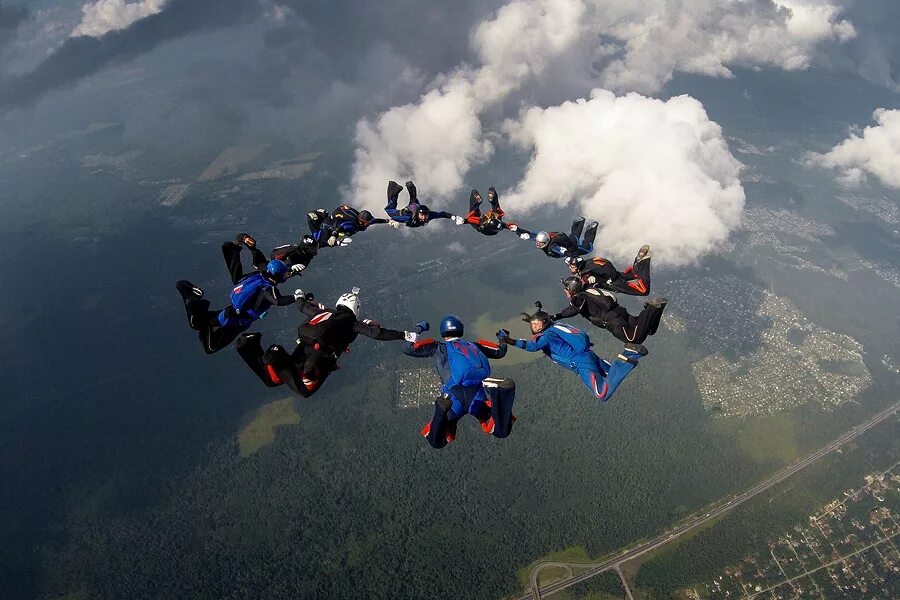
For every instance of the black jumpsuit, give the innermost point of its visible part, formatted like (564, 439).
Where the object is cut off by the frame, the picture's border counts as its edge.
(603, 310)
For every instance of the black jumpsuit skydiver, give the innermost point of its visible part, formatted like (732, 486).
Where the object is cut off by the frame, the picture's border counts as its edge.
(601, 273)
(324, 335)
(214, 335)
(601, 308)
(408, 216)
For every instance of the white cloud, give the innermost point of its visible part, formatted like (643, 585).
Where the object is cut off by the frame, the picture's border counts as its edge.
(875, 152)
(100, 17)
(649, 171)
(702, 37)
(436, 139)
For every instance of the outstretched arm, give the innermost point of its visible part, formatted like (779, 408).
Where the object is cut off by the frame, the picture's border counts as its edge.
(421, 349)
(534, 345)
(372, 329)
(492, 350)
(440, 214)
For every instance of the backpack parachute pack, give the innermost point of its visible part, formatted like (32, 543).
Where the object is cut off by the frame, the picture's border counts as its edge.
(243, 296)
(468, 365)
(576, 339)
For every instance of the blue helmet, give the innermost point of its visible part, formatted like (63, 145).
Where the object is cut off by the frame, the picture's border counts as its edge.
(451, 326)
(277, 270)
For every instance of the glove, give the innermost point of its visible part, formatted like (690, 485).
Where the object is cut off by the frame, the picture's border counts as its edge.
(503, 336)
(556, 317)
(458, 220)
(422, 326)
(299, 295)
(524, 236)
(332, 241)
(513, 227)
(394, 224)
(297, 268)
(410, 336)
(344, 241)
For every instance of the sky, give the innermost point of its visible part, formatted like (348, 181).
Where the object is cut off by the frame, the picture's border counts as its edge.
(575, 90)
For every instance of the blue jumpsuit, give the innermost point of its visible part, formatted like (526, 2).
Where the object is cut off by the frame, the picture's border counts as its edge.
(488, 399)
(570, 348)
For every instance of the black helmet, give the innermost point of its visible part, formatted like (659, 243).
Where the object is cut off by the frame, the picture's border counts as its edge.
(573, 285)
(576, 261)
(365, 217)
(540, 316)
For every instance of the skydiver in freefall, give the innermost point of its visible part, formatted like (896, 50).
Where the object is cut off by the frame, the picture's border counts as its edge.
(252, 296)
(323, 335)
(491, 222)
(602, 309)
(556, 244)
(415, 214)
(599, 272)
(468, 388)
(335, 229)
(569, 348)
(296, 256)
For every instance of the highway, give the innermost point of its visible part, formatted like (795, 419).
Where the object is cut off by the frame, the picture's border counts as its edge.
(691, 524)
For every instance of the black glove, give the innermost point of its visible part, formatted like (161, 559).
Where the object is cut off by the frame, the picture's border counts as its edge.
(503, 337)
(556, 317)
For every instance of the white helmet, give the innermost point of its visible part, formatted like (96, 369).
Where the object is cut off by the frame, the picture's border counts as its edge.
(541, 239)
(350, 300)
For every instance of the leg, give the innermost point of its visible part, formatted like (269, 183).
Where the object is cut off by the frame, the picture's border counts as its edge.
(192, 297)
(591, 371)
(215, 336)
(637, 277)
(590, 234)
(393, 194)
(494, 199)
(474, 204)
(442, 428)
(231, 251)
(577, 228)
(413, 193)
(501, 395)
(249, 348)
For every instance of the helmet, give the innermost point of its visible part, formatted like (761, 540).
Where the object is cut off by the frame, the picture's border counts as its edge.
(277, 270)
(365, 217)
(350, 300)
(576, 262)
(451, 326)
(573, 285)
(542, 239)
(543, 318)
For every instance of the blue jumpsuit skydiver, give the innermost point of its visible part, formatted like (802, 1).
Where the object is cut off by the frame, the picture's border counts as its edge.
(467, 386)
(569, 347)
(415, 214)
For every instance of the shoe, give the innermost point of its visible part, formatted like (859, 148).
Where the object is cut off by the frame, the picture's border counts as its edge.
(657, 302)
(188, 290)
(411, 188)
(245, 239)
(643, 252)
(637, 348)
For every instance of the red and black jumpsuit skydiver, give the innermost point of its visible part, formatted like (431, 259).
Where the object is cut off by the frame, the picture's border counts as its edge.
(415, 214)
(491, 222)
(252, 296)
(599, 272)
(561, 245)
(601, 308)
(324, 335)
(468, 387)
(335, 229)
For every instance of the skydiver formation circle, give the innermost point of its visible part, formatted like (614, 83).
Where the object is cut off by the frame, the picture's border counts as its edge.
(463, 365)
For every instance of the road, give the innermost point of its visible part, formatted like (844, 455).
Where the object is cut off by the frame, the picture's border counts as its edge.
(693, 523)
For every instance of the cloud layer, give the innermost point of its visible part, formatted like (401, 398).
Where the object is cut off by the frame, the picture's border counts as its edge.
(649, 171)
(875, 152)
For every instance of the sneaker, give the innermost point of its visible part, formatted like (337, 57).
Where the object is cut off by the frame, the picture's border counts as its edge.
(657, 302)
(637, 349)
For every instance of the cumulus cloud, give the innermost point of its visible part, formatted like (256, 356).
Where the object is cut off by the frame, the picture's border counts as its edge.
(875, 152)
(650, 171)
(100, 17)
(660, 38)
(436, 139)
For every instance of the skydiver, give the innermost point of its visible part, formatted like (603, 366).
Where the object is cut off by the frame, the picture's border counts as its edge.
(336, 228)
(602, 309)
(559, 245)
(324, 334)
(415, 214)
(569, 348)
(491, 222)
(467, 386)
(601, 273)
(296, 256)
(252, 296)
